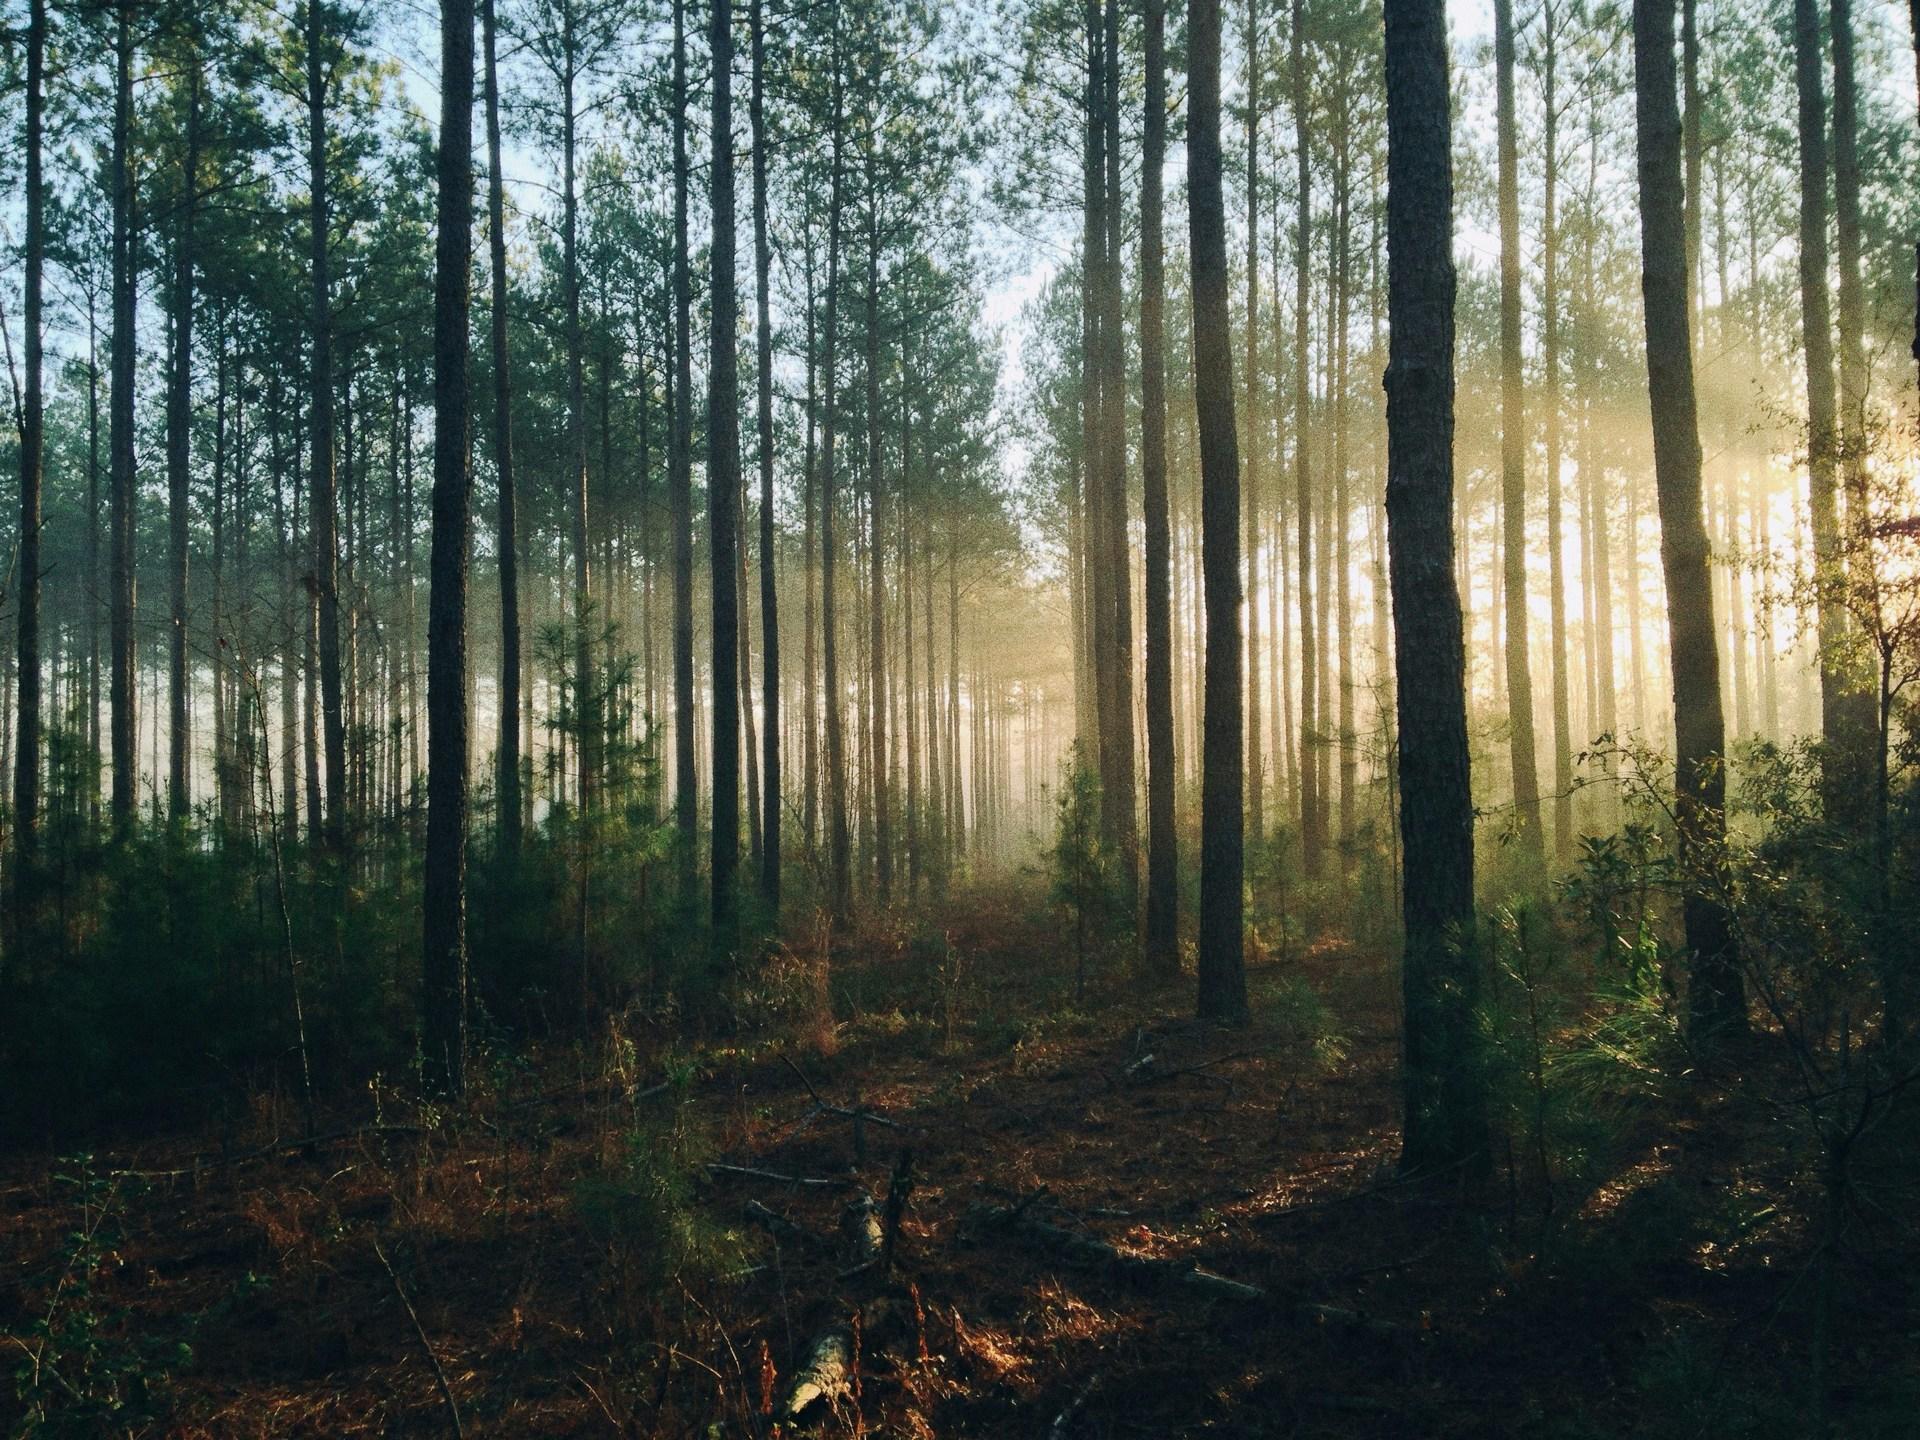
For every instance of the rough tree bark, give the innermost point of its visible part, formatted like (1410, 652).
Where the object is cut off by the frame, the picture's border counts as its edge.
(1163, 890)
(444, 955)
(1222, 966)
(1716, 1002)
(1445, 1120)
(723, 491)
(506, 539)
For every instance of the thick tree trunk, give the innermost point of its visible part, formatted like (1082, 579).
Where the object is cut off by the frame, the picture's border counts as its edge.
(1445, 1105)
(1716, 1000)
(1223, 985)
(1163, 888)
(444, 954)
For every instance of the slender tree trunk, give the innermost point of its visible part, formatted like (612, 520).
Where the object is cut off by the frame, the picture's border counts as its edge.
(1163, 888)
(839, 839)
(1550, 346)
(444, 955)
(1839, 787)
(506, 538)
(1118, 784)
(1312, 817)
(26, 782)
(1716, 1001)
(1256, 751)
(680, 486)
(121, 522)
(323, 501)
(1513, 452)
(1223, 986)
(879, 755)
(1445, 1106)
(179, 453)
(723, 492)
(769, 592)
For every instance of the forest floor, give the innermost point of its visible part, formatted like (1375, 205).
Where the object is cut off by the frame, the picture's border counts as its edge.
(561, 1257)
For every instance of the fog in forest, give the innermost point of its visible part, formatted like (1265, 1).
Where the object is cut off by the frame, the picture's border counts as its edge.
(945, 712)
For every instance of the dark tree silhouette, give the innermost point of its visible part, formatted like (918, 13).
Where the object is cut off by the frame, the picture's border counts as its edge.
(1445, 1107)
(444, 957)
(1716, 1001)
(1223, 982)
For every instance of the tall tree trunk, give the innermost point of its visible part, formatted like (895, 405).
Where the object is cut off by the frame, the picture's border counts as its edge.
(1118, 783)
(723, 491)
(1163, 887)
(1550, 347)
(506, 538)
(323, 500)
(879, 756)
(680, 486)
(1313, 832)
(769, 593)
(26, 781)
(1223, 985)
(179, 451)
(586, 710)
(444, 954)
(1843, 781)
(1445, 1120)
(121, 523)
(840, 843)
(1716, 1000)
(1513, 460)
(1256, 751)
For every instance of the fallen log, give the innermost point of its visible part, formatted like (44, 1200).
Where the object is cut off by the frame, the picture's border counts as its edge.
(833, 1359)
(1099, 1254)
(860, 1227)
(783, 1229)
(827, 1375)
(746, 1172)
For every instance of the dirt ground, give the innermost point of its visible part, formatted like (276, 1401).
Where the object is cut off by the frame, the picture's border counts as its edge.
(504, 1262)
